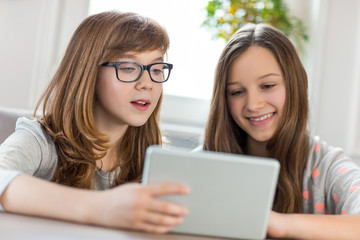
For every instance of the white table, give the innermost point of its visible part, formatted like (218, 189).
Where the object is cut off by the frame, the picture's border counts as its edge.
(16, 227)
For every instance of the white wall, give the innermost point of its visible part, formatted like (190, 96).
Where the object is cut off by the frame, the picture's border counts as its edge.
(335, 75)
(17, 27)
(332, 61)
(34, 33)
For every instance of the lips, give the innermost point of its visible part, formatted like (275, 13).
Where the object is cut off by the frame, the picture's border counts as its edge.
(262, 119)
(141, 104)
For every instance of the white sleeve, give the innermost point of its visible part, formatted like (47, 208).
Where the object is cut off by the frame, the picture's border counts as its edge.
(21, 151)
(28, 150)
(6, 176)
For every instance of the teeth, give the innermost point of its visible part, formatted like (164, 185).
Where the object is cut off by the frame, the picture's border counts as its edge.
(141, 102)
(262, 118)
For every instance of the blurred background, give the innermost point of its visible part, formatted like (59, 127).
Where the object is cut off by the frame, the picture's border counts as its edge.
(35, 33)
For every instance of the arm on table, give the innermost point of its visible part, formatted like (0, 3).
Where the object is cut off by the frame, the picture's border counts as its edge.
(131, 206)
(311, 226)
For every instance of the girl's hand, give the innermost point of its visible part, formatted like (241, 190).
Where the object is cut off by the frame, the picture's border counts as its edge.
(134, 206)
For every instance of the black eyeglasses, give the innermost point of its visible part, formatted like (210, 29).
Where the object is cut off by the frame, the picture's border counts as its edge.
(132, 71)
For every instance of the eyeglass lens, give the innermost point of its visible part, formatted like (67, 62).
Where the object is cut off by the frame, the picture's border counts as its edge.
(130, 71)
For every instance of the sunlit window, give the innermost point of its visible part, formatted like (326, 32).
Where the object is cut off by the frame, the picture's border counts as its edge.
(192, 50)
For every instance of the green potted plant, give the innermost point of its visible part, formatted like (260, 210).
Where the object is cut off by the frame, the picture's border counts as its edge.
(224, 17)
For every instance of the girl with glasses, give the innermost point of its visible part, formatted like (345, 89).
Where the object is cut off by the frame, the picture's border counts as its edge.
(95, 125)
(260, 107)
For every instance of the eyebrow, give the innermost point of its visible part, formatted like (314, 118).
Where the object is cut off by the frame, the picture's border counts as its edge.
(232, 83)
(270, 75)
(133, 57)
(262, 77)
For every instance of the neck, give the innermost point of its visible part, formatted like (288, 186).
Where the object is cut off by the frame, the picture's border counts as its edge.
(256, 148)
(115, 134)
(107, 162)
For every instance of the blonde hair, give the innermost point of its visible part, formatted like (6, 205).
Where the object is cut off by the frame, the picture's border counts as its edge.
(290, 143)
(68, 100)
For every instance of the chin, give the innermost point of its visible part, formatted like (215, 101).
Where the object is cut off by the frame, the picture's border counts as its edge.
(261, 138)
(137, 124)
(264, 139)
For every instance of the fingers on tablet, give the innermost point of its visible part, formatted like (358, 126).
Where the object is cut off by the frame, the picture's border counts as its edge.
(163, 219)
(168, 208)
(153, 228)
(167, 188)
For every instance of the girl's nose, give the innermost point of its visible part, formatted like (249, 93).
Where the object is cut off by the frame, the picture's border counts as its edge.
(144, 81)
(254, 101)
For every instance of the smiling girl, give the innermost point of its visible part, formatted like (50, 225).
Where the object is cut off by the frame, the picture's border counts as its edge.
(260, 107)
(99, 114)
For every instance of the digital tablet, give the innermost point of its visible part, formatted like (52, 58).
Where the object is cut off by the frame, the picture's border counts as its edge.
(231, 194)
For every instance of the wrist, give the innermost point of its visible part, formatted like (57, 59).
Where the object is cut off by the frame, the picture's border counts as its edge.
(279, 225)
(87, 207)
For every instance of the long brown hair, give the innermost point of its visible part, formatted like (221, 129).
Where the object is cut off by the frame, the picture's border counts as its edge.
(290, 143)
(68, 101)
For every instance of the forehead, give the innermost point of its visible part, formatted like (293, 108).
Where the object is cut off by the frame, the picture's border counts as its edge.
(151, 55)
(254, 63)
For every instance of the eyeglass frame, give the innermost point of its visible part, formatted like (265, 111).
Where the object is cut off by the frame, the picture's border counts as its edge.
(143, 68)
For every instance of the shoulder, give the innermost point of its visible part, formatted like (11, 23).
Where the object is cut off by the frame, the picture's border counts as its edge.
(27, 132)
(29, 149)
(326, 161)
(321, 154)
(32, 126)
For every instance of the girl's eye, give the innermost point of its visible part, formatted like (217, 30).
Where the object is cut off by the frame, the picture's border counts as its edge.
(267, 86)
(236, 93)
(127, 69)
(156, 71)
